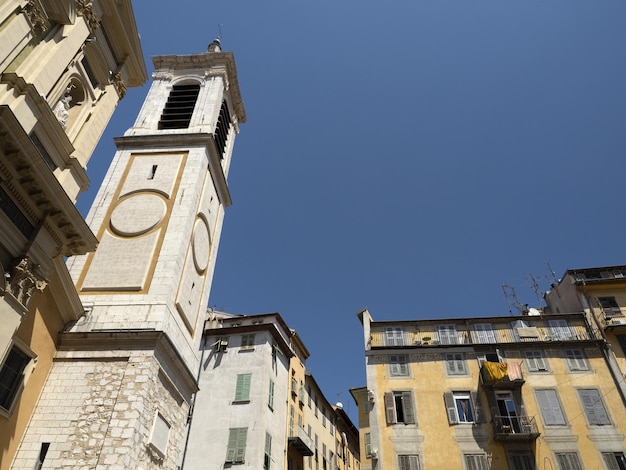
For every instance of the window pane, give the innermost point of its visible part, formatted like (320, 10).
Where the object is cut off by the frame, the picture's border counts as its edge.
(569, 461)
(550, 407)
(593, 406)
(11, 375)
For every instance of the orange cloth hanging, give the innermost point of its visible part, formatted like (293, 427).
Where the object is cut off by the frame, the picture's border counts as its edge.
(496, 371)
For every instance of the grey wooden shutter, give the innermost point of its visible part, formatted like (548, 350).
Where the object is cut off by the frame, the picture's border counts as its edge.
(594, 408)
(407, 408)
(478, 409)
(550, 407)
(390, 408)
(448, 399)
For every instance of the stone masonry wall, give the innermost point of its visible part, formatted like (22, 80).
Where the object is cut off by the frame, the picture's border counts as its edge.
(98, 413)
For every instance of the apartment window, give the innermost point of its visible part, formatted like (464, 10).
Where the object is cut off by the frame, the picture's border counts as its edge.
(484, 333)
(593, 406)
(550, 407)
(242, 390)
(267, 458)
(398, 366)
(559, 330)
(455, 364)
(160, 434)
(535, 361)
(576, 360)
(368, 444)
(610, 307)
(270, 398)
(247, 342)
(569, 461)
(460, 407)
(179, 107)
(394, 336)
(448, 334)
(12, 376)
(476, 462)
(308, 392)
(236, 451)
(323, 417)
(621, 339)
(521, 461)
(614, 460)
(409, 462)
(399, 408)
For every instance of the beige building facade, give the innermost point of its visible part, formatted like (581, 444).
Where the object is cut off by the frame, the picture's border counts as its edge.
(64, 65)
(521, 392)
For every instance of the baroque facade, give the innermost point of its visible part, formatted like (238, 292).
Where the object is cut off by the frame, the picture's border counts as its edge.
(521, 393)
(64, 65)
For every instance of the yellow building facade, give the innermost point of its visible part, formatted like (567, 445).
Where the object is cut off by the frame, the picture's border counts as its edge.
(521, 393)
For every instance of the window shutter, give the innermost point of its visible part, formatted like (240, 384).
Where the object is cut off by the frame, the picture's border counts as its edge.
(407, 408)
(448, 399)
(569, 461)
(242, 390)
(368, 444)
(408, 462)
(480, 415)
(270, 399)
(535, 361)
(610, 461)
(390, 409)
(232, 445)
(575, 359)
(240, 452)
(550, 407)
(594, 408)
(455, 364)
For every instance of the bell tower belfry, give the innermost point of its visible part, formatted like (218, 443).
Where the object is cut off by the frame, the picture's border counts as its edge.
(159, 212)
(126, 370)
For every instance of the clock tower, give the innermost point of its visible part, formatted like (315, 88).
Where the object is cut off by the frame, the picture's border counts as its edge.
(125, 373)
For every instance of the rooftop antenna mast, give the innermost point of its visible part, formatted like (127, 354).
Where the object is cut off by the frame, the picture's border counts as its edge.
(219, 31)
(534, 284)
(511, 299)
(552, 277)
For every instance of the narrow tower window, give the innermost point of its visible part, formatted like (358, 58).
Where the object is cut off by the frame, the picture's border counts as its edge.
(179, 107)
(152, 172)
(222, 129)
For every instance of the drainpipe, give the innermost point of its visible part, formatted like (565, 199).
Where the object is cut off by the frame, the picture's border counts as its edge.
(606, 351)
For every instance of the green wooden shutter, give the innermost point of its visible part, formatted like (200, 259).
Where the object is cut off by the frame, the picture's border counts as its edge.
(270, 399)
(242, 390)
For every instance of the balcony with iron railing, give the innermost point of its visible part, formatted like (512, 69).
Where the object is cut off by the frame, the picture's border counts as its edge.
(515, 428)
(465, 334)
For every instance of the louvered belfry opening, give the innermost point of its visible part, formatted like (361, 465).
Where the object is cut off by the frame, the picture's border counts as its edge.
(222, 129)
(179, 107)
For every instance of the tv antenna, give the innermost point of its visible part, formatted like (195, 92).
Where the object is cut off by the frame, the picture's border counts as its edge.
(511, 299)
(552, 277)
(534, 285)
(219, 31)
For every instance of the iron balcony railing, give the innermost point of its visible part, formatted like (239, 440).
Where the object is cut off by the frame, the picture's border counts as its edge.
(515, 428)
(465, 334)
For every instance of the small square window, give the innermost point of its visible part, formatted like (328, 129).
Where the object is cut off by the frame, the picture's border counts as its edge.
(535, 361)
(455, 364)
(247, 342)
(160, 434)
(576, 360)
(398, 366)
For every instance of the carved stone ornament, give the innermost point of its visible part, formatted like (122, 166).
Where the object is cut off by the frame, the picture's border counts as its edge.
(85, 9)
(22, 280)
(118, 83)
(36, 16)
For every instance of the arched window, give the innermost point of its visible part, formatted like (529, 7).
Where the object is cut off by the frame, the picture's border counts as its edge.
(179, 107)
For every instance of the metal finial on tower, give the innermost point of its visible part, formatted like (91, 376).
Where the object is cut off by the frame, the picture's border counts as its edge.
(216, 45)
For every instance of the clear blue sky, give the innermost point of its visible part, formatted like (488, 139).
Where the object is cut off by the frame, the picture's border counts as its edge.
(409, 156)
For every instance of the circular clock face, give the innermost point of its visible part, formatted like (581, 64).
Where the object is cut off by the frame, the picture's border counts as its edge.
(201, 245)
(137, 214)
